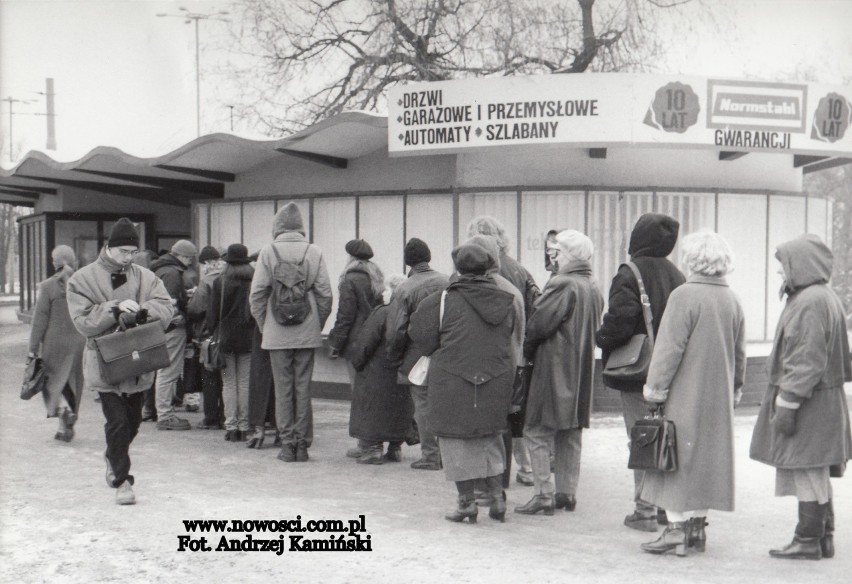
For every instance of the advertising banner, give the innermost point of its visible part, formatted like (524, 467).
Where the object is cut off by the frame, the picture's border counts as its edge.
(608, 109)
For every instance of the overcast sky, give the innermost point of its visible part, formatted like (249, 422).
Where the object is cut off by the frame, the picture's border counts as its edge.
(126, 78)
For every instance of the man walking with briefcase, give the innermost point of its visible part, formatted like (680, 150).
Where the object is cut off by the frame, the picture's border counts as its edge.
(103, 296)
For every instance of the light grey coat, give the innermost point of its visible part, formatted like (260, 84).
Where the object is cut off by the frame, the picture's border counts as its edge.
(698, 365)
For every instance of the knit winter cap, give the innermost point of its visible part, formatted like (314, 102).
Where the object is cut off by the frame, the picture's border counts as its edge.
(123, 233)
(184, 247)
(288, 218)
(237, 254)
(208, 253)
(416, 252)
(471, 258)
(489, 243)
(358, 248)
(63, 254)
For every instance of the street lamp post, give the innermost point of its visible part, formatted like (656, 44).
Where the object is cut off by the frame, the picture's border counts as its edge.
(196, 17)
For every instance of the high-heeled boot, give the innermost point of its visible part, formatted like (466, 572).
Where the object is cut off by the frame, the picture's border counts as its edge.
(827, 541)
(675, 537)
(697, 535)
(467, 509)
(256, 438)
(497, 510)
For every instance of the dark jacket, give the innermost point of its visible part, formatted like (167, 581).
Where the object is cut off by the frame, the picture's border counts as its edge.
(422, 281)
(356, 301)
(170, 270)
(196, 308)
(472, 368)
(653, 238)
(237, 324)
(520, 279)
(561, 343)
(381, 410)
(808, 365)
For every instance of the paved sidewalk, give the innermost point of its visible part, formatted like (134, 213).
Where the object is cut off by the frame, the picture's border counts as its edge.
(59, 522)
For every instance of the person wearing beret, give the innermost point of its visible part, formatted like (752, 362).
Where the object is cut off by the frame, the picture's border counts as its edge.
(360, 290)
(470, 376)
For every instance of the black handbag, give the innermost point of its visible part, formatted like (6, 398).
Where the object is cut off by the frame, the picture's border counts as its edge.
(653, 444)
(131, 352)
(35, 378)
(211, 347)
(630, 362)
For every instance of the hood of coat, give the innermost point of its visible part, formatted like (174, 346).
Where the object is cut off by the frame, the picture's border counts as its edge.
(654, 235)
(482, 294)
(576, 267)
(806, 261)
(167, 260)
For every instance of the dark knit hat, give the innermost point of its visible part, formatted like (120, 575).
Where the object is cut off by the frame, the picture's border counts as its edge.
(358, 248)
(416, 252)
(123, 233)
(237, 254)
(288, 218)
(208, 253)
(471, 258)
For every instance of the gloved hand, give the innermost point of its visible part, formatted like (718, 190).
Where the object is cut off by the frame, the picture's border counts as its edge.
(127, 319)
(784, 421)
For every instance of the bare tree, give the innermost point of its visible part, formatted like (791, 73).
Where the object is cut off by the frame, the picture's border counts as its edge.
(309, 59)
(8, 245)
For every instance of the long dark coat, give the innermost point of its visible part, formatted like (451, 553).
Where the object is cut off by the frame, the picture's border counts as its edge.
(357, 299)
(236, 324)
(809, 364)
(561, 341)
(381, 410)
(699, 357)
(472, 368)
(54, 338)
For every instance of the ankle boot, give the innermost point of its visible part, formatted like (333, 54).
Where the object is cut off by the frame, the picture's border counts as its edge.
(801, 548)
(467, 509)
(675, 537)
(542, 502)
(497, 510)
(826, 544)
(565, 501)
(697, 536)
(809, 531)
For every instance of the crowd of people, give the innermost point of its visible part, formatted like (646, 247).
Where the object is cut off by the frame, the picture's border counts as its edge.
(511, 367)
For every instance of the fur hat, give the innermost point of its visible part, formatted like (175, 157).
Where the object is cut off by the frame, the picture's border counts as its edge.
(416, 252)
(184, 247)
(237, 254)
(360, 249)
(288, 218)
(472, 258)
(123, 233)
(208, 253)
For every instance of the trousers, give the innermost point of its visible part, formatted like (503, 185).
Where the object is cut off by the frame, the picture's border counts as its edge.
(123, 413)
(291, 371)
(568, 445)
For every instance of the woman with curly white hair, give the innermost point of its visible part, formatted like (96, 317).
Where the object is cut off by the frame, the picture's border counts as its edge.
(696, 375)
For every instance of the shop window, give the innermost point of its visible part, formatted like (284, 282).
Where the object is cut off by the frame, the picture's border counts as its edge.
(694, 211)
(501, 206)
(541, 212)
(380, 223)
(786, 221)
(225, 227)
(430, 218)
(819, 218)
(257, 224)
(334, 225)
(200, 229)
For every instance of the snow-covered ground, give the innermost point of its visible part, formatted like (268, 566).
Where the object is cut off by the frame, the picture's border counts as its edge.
(59, 522)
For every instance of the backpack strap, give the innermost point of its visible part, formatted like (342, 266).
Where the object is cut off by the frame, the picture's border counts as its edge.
(643, 298)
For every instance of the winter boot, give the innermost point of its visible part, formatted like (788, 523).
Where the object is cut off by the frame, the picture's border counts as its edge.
(565, 501)
(827, 542)
(675, 537)
(466, 504)
(541, 502)
(394, 453)
(697, 535)
(809, 532)
(497, 510)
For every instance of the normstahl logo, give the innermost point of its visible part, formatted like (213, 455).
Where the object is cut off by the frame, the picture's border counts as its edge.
(756, 105)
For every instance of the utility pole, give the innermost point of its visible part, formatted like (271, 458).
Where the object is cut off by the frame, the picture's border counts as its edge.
(51, 114)
(12, 101)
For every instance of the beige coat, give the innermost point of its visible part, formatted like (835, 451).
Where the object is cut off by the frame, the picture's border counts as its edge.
(54, 338)
(698, 365)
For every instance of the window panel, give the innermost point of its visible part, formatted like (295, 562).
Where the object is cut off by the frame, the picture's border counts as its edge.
(501, 206)
(200, 232)
(541, 212)
(786, 221)
(694, 211)
(257, 224)
(430, 218)
(224, 224)
(380, 223)
(818, 218)
(334, 225)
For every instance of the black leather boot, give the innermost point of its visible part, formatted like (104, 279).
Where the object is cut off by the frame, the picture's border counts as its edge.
(675, 537)
(809, 532)
(697, 536)
(826, 544)
(565, 501)
(466, 504)
(497, 510)
(542, 502)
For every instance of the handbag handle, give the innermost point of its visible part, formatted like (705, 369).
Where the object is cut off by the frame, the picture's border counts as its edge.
(441, 311)
(646, 302)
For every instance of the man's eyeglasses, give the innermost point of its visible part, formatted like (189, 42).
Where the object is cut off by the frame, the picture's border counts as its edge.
(126, 252)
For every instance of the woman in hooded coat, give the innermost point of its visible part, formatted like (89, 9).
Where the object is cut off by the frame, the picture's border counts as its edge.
(803, 425)
(470, 376)
(54, 338)
(697, 373)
